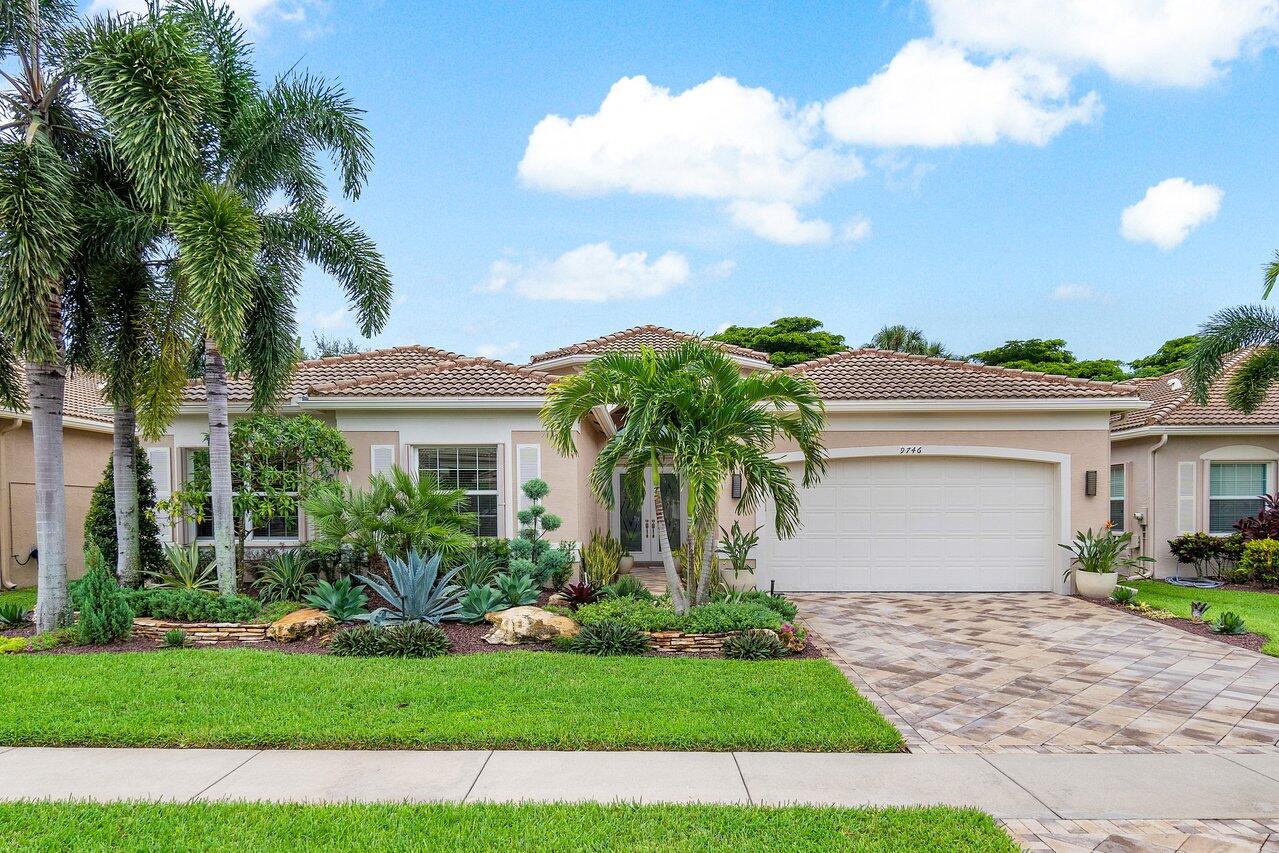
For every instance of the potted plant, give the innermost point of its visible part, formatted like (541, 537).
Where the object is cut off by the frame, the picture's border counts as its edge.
(1097, 558)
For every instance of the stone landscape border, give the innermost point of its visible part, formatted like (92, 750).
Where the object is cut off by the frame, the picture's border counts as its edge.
(203, 633)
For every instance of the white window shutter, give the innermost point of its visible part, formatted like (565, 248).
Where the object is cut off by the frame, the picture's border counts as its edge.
(1186, 497)
(528, 464)
(162, 477)
(381, 459)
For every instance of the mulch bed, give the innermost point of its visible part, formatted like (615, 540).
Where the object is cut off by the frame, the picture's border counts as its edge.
(1252, 642)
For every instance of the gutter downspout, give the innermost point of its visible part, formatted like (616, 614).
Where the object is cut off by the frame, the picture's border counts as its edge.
(1150, 500)
(6, 522)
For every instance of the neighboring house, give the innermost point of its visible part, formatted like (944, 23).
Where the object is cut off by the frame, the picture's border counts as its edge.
(1178, 467)
(86, 441)
(942, 475)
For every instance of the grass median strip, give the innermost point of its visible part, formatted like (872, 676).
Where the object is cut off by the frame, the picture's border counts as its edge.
(258, 826)
(529, 700)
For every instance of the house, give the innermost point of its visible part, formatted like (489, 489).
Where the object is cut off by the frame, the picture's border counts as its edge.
(943, 475)
(1179, 467)
(86, 441)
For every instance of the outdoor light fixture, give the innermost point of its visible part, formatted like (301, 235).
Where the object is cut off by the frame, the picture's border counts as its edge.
(1090, 483)
(737, 486)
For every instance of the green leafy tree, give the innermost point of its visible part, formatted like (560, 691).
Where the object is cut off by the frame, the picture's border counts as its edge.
(1050, 356)
(105, 616)
(100, 520)
(1172, 355)
(693, 408)
(901, 338)
(787, 340)
(326, 347)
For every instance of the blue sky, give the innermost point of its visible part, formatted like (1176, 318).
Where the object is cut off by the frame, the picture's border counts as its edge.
(974, 188)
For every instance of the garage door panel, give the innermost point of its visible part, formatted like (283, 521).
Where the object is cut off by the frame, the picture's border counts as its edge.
(923, 523)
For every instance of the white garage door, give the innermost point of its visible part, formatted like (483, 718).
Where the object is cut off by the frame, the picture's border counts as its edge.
(925, 523)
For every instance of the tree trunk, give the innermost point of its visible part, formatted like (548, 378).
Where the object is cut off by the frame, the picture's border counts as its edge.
(220, 468)
(706, 542)
(46, 384)
(678, 599)
(128, 566)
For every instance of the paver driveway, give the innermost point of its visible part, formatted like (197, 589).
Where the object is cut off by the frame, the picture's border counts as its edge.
(1046, 673)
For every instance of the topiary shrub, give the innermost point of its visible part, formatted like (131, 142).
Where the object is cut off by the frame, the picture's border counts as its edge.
(402, 640)
(756, 644)
(1260, 561)
(531, 554)
(608, 639)
(105, 616)
(99, 521)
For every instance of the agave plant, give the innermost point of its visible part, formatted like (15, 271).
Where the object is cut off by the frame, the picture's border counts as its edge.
(341, 599)
(417, 591)
(186, 570)
(476, 569)
(12, 615)
(478, 601)
(1228, 623)
(516, 589)
(287, 577)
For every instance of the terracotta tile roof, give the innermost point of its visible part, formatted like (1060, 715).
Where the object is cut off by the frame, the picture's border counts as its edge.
(1171, 403)
(456, 377)
(333, 369)
(875, 374)
(630, 340)
(82, 398)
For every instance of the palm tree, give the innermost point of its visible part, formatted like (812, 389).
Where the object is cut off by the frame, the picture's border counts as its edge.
(1254, 326)
(692, 408)
(240, 254)
(900, 338)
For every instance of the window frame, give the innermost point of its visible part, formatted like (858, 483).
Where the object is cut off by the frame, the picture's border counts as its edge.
(192, 531)
(1121, 498)
(1266, 468)
(495, 492)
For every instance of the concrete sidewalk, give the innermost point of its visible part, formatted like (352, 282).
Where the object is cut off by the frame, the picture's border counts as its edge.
(1009, 786)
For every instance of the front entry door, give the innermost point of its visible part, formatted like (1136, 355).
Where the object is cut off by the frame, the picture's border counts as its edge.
(635, 520)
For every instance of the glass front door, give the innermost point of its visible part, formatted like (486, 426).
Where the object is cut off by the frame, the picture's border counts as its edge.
(635, 521)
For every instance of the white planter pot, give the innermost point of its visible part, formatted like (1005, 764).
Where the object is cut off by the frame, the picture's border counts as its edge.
(1095, 584)
(627, 563)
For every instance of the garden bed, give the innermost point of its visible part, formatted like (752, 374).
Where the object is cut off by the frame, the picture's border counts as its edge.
(1252, 642)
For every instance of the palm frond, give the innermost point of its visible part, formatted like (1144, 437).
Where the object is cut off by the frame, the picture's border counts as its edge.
(1272, 276)
(270, 335)
(1252, 379)
(1225, 332)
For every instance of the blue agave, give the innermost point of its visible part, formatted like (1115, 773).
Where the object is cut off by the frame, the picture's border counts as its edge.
(417, 592)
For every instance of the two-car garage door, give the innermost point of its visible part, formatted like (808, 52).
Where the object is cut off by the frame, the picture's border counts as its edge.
(922, 523)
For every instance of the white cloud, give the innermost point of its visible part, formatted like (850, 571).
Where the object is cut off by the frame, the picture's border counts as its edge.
(855, 230)
(1074, 293)
(254, 14)
(590, 273)
(931, 95)
(720, 269)
(779, 222)
(1158, 42)
(335, 319)
(497, 350)
(1168, 212)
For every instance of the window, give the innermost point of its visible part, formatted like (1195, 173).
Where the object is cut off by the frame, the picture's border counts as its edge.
(276, 527)
(1235, 490)
(472, 469)
(1117, 498)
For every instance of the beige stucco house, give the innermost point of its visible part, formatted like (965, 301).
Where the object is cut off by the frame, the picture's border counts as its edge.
(86, 448)
(1178, 467)
(943, 475)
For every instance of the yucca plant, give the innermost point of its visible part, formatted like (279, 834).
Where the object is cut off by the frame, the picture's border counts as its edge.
(187, 570)
(341, 599)
(478, 601)
(417, 591)
(286, 577)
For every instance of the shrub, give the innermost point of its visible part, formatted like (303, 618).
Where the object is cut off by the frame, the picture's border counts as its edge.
(99, 521)
(1210, 555)
(627, 586)
(192, 605)
(557, 564)
(1229, 623)
(721, 616)
(515, 589)
(498, 551)
(531, 553)
(601, 555)
(285, 577)
(402, 640)
(12, 615)
(11, 645)
(176, 639)
(1123, 594)
(1265, 524)
(478, 601)
(105, 616)
(756, 644)
(640, 615)
(1260, 561)
(582, 592)
(417, 591)
(342, 599)
(609, 638)
(784, 607)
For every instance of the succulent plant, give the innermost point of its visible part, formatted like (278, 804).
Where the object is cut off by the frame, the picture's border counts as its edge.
(516, 589)
(341, 599)
(1229, 623)
(417, 592)
(478, 601)
(755, 644)
(1123, 594)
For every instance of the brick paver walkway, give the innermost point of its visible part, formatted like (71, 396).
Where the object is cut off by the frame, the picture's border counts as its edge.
(1045, 673)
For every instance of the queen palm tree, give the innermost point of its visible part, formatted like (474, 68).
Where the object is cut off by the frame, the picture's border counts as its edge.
(1255, 326)
(693, 409)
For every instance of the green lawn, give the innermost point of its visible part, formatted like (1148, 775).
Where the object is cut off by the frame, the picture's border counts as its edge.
(530, 700)
(25, 597)
(261, 826)
(1260, 610)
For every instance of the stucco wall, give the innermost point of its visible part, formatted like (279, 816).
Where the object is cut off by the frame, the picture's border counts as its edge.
(85, 456)
(1160, 504)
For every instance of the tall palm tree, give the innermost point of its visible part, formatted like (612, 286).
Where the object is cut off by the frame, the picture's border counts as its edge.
(692, 408)
(900, 338)
(1225, 332)
(239, 251)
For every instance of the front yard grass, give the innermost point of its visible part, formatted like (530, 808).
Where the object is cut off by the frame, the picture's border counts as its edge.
(1260, 610)
(25, 597)
(262, 826)
(513, 700)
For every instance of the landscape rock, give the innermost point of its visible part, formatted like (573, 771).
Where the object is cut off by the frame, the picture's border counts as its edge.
(528, 624)
(299, 625)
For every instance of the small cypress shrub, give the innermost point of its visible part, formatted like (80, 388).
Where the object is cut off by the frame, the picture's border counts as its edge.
(756, 644)
(99, 521)
(609, 638)
(104, 611)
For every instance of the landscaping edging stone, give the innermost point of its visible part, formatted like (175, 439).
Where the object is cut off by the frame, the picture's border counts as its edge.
(679, 643)
(202, 632)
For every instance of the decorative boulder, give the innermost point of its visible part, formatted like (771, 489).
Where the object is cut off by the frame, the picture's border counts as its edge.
(523, 624)
(299, 625)
(558, 599)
